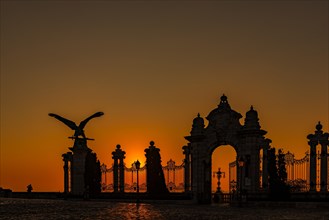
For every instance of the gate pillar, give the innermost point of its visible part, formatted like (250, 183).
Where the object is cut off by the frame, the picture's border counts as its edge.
(78, 166)
(118, 169)
(67, 157)
(314, 139)
(187, 164)
(266, 146)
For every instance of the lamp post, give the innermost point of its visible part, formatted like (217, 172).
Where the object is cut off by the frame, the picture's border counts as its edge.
(217, 195)
(137, 165)
(241, 164)
(218, 174)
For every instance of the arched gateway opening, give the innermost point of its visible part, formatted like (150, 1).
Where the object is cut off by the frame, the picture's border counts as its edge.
(223, 177)
(224, 128)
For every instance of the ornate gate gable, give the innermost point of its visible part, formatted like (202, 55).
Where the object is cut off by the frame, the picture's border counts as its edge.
(223, 127)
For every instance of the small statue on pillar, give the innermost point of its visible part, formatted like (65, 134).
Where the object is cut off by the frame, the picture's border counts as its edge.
(79, 137)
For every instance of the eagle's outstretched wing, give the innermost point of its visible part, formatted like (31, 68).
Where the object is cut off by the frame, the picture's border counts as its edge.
(84, 122)
(69, 123)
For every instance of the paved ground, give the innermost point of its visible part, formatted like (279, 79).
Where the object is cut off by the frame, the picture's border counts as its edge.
(60, 209)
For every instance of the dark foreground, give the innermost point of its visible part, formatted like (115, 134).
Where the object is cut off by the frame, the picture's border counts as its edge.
(76, 209)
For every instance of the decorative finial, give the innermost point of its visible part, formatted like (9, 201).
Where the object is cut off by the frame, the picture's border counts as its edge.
(152, 143)
(118, 146)
(198, 115)
(223, 98)
(251, 107)
(319, 126)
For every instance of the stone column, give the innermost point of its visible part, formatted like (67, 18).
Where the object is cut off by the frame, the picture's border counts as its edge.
(312, 165)
(66, 173)
(253, 175)
(206, 197)
(198, 160)
(78, 166)
(240, 173)
(196, 167)
(186, 152)
(266, 146)
(198, 177)
(322, 139)
(118, 169)
(115, 173)
(122, 175)
(324, 166)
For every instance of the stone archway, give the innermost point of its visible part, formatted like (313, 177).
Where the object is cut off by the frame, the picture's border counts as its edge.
(224, 128)
(221, 159)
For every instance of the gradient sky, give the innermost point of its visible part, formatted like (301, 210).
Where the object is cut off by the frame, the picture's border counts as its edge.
(151, 67)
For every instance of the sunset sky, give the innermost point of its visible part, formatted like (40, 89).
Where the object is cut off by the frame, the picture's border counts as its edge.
(151, 67)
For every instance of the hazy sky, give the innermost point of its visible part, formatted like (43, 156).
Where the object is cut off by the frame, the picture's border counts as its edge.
(151, 67)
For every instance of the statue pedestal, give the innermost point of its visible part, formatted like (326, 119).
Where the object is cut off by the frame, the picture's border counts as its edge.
(78, 166)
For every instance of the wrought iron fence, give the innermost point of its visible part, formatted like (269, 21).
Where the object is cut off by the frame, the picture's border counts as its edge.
(298, 172)
(131, 178)
(173, 175)
(171, 171)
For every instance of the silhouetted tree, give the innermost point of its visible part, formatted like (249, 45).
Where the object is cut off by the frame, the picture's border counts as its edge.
(155, 180)
(92, 174)
(282, 172)
(278, 187)
(272, 170)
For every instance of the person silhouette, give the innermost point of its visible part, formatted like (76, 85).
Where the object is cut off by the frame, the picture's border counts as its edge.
(29, 188)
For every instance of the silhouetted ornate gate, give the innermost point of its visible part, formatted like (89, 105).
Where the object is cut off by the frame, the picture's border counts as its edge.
(224, 128)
